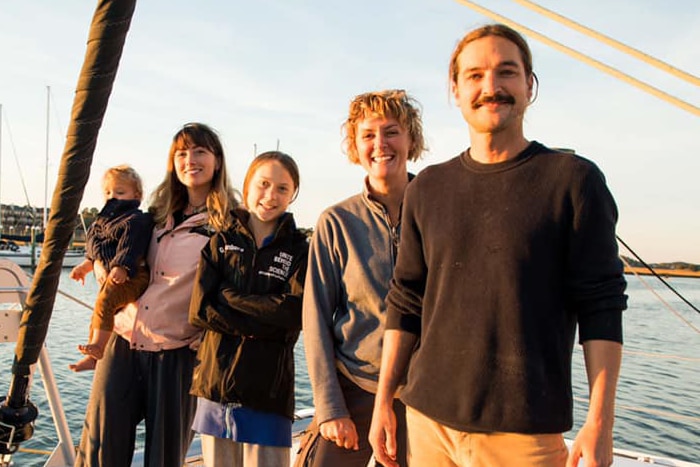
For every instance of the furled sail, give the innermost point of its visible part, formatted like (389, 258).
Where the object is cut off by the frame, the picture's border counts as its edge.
(107, 35)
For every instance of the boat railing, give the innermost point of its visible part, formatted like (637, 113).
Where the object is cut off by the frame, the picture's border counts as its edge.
(14, 287)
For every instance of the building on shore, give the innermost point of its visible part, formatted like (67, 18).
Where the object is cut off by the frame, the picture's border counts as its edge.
(22, 223)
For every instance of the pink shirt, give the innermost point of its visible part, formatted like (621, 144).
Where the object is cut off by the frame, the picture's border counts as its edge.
(158, 320)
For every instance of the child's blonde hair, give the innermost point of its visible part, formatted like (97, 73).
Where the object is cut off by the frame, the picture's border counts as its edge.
(126, 174)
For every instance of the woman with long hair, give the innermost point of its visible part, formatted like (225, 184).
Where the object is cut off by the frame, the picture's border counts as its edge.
(146, 370)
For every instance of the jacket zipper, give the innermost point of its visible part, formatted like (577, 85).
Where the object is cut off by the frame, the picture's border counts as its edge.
(393, 235)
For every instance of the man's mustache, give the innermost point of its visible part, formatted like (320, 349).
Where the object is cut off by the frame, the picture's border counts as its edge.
(494, 99)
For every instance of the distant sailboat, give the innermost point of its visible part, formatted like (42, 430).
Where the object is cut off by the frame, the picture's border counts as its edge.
(27, 256)
(27, 253)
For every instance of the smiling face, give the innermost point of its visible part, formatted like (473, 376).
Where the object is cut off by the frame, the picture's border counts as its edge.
(491, 86)
(269, 191)
(195, 167)
(383, 147)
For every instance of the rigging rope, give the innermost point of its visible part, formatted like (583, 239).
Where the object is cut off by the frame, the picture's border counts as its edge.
(75, 299)
(57, 116)
(655, 274)
(680, 103)
(67, 295)
(666, 304)
(632, 52)
(14, 153)
(658, 355)
(663, 413)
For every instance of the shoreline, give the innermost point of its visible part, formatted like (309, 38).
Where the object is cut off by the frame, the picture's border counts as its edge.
(642, 271)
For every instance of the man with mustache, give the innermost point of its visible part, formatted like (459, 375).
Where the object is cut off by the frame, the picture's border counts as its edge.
(505, 250)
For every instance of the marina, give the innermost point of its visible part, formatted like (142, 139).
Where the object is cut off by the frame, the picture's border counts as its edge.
(658, 412)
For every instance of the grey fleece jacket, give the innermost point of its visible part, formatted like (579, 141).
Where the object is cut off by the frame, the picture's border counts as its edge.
(351, 260)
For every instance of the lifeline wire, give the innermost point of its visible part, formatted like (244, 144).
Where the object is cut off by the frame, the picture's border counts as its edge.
(664, 302)
(656, 275)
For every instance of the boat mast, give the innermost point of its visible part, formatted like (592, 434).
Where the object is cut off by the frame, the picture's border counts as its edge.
(105, 44)
(1, 226)
(46, 164)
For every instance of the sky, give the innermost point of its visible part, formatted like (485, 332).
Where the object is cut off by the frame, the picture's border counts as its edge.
(271, 74)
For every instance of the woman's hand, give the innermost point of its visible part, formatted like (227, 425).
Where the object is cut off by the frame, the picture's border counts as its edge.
(342, 432)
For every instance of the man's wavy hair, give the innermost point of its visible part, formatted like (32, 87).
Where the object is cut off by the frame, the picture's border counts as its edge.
(497, 30)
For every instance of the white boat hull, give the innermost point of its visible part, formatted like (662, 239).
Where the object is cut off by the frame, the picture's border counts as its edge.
(23, 257)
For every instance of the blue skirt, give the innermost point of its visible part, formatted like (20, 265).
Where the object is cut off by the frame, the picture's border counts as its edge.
(241, 424)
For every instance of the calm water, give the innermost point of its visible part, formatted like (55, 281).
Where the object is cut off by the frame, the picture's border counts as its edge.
(658, 398)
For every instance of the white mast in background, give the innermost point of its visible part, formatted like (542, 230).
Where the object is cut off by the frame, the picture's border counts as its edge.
(46, 165)
(1, 169)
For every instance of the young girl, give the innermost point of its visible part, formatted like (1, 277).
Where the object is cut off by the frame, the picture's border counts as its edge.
(146, 370)
(118, 239)
(247, 296)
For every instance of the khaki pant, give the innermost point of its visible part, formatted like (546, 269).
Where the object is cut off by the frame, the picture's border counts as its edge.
(431, 444)
(113, 297)
(219, 452)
